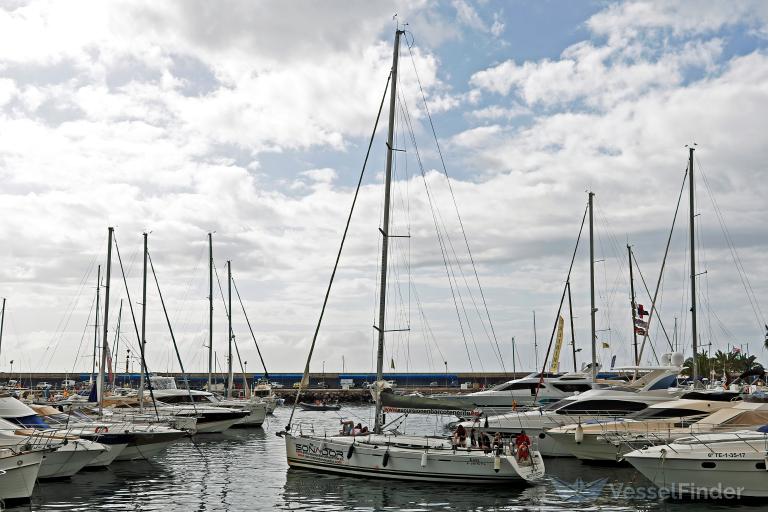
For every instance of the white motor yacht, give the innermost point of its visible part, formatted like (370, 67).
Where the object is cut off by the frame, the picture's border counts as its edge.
(212, 416)
(611, 403)
(614, 442)
(21, 426)
(610, 440)
(522, 392)
(708, 466)
(264, 392)
(18, 473)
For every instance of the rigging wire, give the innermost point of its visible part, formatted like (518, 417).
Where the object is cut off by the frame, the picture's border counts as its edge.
(266, 373)
(743, 276)
(170, 329)
(144, 368)
(441, 243)
(453, 196)
(338, 255)
(663, 264)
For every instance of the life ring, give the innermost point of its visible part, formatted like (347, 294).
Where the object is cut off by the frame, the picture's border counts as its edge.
(102, 430)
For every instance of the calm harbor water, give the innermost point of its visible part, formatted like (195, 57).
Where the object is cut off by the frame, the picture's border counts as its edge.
(246, 470)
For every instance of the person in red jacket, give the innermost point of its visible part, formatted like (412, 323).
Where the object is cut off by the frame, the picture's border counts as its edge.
(522, 445)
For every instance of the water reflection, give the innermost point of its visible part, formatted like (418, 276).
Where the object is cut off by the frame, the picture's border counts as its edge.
(246, 470)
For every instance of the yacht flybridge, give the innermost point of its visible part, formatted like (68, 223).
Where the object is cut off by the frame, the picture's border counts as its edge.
(536, 388)
(389, 456)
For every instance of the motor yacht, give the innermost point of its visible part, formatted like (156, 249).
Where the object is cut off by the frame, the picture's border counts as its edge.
(535, 388)
(212, 416)
(21, 426)
(610, 440)
(708, 466)
(605, 404)
(18, 472)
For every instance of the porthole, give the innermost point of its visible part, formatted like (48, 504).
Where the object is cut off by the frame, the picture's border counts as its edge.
(708, 465)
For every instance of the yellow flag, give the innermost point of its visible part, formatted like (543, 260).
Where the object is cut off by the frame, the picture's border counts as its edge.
(558, 346)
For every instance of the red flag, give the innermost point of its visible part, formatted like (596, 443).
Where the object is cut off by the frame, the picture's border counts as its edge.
(641, 312)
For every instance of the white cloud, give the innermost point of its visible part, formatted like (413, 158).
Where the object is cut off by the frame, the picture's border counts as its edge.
(167, 118)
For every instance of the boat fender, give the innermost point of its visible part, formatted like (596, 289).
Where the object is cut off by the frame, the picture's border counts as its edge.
(386, 459)
(766, 462)
(578, 436)
(497, 463)
(424, 459)
(542, 435)
(351, 451)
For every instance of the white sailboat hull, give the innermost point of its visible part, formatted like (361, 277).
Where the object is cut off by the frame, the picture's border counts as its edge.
(18, 474)
(333, 455)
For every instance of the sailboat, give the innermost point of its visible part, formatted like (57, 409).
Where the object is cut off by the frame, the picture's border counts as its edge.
(388, 455)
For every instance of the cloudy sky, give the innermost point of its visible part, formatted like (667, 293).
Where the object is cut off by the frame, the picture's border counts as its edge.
(251, 120)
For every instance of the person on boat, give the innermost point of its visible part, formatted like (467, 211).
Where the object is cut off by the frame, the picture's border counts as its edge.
(357, 430)
(473, 438)
(364, 430)
(522, 445)
(498, 443)
(485, 442)
(347, 427)
(460, 436)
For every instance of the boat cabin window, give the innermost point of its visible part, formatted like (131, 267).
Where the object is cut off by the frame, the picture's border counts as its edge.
(571, 388)
(185, 399)
(516, 386)
(653, 413)
(601, 407)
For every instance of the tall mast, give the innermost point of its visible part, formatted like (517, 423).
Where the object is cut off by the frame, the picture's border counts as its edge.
(210, 309)
(593, 309)
(2, 323)
(117, 339)
(385, 231)
(693, 265)
(95, 326)
(103, 366)
(230, 375)
(573, 333)
(514, 366)
(535, 344)
(632, 302)
(143, 325)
